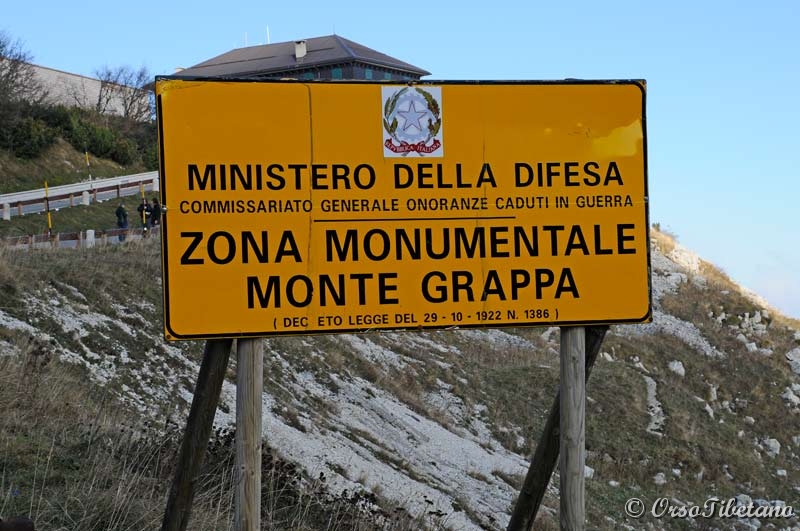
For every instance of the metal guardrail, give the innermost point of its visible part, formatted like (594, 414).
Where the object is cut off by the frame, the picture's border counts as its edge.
(83, 193)
(78, 240)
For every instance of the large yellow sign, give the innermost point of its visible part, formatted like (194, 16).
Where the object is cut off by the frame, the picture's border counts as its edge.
(298, 207)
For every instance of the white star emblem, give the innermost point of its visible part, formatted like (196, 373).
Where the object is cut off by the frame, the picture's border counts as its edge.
(411, 117)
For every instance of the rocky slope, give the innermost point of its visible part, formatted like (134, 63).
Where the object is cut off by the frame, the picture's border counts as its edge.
(700, 403)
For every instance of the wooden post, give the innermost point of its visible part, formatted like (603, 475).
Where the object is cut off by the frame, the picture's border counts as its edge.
(249, 389)
(544, 460)
(573, 415)
(198, 429)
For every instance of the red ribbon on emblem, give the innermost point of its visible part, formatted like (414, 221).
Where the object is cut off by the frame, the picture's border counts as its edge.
(405, 147)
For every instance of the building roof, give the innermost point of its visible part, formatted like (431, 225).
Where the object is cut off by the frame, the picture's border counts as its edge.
(280, 57)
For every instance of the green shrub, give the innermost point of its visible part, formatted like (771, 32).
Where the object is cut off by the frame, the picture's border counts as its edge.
(101, 141)
(31, 137)
(124, 151)
(56, 116)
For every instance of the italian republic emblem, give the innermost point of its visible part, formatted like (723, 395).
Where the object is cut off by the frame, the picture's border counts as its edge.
(412, 121)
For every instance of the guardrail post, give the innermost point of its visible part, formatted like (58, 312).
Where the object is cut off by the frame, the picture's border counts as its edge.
(19, 208)
(89, 238)
(85, 198)
(7, 212)
(71, 197)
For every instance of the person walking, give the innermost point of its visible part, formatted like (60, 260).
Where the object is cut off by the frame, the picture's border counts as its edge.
(155, 213)
(145, 212)
(122, 221)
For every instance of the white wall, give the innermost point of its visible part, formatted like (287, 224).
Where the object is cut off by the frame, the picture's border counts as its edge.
(73, 90)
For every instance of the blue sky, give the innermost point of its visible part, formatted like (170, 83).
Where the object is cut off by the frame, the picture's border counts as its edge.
(723, 115)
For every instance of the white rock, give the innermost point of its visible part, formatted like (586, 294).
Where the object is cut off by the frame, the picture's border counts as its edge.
(727, 473)
(677, 367)
(772, 447)
(749, 420)
(588, 472)
(751, 347)
(791, 398)
(712, 392)
(613, 483)
(793, 357)
(660, 478)
(796, 440)
(606, 356)
(709, 411)
(740, 434)
(676, 472)
(765, 351)
(797, 336)
(743, 499)
(781, 473)
(742, 338)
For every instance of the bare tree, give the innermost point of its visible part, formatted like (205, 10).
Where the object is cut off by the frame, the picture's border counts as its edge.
(18, 81)
(125, 91)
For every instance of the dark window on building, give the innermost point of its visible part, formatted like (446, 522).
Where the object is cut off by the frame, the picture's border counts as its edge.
(367, 73)
(336, 73)
(387, 76)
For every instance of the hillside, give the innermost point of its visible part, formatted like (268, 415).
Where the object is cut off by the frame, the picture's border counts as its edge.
(393, 430)
(59, 164)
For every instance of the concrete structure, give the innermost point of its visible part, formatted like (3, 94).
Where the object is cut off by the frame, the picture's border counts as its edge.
(73, 90)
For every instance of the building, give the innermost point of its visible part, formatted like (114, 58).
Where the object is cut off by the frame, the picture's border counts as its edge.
(330, 57)
(73, 90)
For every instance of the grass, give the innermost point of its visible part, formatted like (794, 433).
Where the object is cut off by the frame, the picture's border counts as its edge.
(60, 164)
(70, 460)
(98, 216)
(74, 457)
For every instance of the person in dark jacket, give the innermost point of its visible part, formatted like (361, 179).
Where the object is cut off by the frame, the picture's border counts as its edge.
(155, 213)
(122, 221)
(145, 210)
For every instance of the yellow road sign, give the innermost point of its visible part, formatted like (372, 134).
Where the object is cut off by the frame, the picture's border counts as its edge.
(297, 207)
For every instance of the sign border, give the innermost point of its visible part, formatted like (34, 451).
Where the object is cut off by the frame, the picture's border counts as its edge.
(171, 334)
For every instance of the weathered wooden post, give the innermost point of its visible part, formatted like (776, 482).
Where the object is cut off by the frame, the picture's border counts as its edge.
(547, 450)
(198, 430)
(573, 415)
(249, 388)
